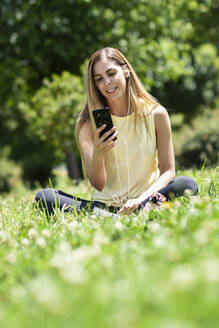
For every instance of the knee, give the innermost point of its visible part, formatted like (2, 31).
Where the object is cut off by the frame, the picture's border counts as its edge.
(45, 199)
(44, 195)
(188, 183)
(39, 196)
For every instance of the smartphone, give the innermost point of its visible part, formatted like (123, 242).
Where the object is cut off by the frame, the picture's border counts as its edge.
(102, 116)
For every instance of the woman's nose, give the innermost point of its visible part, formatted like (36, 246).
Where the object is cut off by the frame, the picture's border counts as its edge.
(107, 80)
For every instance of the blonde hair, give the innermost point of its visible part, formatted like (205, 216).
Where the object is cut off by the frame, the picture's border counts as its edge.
(140, 101)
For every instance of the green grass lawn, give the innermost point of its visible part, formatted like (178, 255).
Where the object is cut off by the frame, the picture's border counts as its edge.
(159, 269)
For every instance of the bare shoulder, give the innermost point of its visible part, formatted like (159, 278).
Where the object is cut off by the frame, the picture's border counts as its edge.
(162, 121)
(160, 113)
(161, 116)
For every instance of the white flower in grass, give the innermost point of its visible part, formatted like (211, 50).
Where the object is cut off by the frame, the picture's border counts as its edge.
(100, 238)
(188, 192)
(75, 274)
(46, 293)
(72, 225)
(154, 226)
(41, 242)
(25, 242)
(60, 260)
(32, 233)
(159, 241)
(119, 226)
(64, 248)
(211, 269)
(4, 236)
(193, 211)
(69, 268)
(46, 233)
(182, 277)
(71, 262)
(11, 257)
(84, 253)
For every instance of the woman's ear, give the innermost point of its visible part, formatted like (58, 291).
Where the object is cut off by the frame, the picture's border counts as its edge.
(126, 71)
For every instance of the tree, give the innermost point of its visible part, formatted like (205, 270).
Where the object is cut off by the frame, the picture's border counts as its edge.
(162, 39)
(175, 54)
(173, 46)
(52, 113)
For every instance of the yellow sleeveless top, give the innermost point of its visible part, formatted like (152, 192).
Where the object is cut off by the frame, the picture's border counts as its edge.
(132, 165)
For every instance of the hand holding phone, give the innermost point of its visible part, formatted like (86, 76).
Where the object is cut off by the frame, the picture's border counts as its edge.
(102, 116)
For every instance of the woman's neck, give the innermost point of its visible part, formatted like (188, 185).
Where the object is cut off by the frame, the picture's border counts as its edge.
(119, 108)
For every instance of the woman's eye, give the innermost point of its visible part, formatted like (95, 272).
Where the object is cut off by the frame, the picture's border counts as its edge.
(112, 73)
(99, 79)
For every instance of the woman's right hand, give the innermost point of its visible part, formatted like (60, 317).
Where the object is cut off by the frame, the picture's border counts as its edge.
(101, 147)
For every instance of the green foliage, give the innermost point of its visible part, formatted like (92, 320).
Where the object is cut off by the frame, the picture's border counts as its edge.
(173, 46)
(198, 145)
(10, 172)
(202, 149)
(160, 38)
(52, 111)
(165, 42)
(38, 162)
(88, 271)
(34, 156)
(12, 122)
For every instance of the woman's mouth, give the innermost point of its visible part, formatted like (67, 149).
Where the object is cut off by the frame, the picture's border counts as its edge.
(111, 90)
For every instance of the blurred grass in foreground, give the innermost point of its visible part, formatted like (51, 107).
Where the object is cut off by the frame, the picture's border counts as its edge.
(152, 270)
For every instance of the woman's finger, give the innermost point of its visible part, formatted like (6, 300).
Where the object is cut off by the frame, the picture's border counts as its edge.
(113, 137)
(97, 133)
(129, 207)
(107, 134)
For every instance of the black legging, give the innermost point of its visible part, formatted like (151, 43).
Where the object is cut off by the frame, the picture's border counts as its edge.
(49, 199)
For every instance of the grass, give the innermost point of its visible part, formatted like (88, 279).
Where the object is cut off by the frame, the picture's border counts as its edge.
(152, 270)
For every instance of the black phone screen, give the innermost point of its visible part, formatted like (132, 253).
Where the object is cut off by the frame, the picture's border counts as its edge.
(102, 116)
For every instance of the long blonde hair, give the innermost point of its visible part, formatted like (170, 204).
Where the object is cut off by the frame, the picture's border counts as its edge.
(140, 101)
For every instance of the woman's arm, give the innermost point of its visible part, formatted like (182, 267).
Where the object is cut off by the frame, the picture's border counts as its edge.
(165, 150)
(94, 150)
(165, 158)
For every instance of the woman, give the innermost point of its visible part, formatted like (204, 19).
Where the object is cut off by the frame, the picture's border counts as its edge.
(135, 165)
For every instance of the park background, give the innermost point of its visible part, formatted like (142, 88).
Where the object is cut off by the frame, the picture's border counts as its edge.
(155, 270)
(44, 49)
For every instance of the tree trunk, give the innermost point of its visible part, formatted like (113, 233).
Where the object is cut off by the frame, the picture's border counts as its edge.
(72, 165)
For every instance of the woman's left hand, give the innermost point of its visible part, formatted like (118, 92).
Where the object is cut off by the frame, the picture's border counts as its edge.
(130, 206)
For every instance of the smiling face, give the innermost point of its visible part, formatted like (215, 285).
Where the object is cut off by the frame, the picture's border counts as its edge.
(110, 79)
